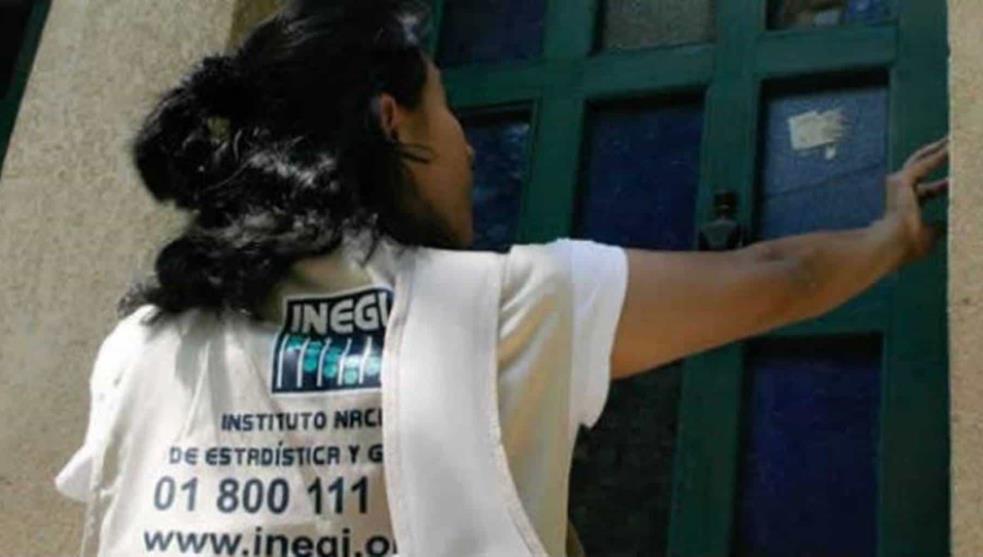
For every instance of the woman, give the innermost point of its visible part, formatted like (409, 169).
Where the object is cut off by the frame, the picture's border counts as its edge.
(237, 406)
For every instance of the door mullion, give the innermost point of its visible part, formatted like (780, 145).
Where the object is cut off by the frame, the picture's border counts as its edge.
(914, 447)
(436, 17)
(708, 439)
(549, 200)
(569, 29)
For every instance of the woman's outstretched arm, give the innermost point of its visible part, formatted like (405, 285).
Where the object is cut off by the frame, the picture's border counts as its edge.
(681, 303)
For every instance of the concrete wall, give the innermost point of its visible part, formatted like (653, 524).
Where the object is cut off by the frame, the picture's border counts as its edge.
(75, 225)
(966, 274)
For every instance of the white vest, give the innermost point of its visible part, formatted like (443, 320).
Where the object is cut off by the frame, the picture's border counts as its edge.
(449, 488)
(468, 505)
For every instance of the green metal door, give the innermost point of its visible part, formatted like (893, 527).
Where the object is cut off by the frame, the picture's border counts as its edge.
(734, 420)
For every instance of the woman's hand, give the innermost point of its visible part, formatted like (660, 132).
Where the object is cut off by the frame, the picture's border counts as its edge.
(905, 194)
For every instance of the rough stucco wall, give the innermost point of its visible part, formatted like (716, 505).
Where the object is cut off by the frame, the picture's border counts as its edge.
(75, 227)
(965, 273)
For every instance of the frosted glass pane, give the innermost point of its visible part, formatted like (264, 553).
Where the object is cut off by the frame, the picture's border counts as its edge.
(812, 179)
(632, 24)
(784, 14)
(621, 481)
(808, 482)
(501, 156)
(478, 31)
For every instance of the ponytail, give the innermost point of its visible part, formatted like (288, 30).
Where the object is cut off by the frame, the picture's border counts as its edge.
(176, 146)
(276, 152)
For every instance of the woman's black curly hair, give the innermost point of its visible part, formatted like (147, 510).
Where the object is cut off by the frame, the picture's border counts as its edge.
(277, 151)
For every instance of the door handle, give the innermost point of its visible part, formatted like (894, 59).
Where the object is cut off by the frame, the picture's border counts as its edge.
(723, 232)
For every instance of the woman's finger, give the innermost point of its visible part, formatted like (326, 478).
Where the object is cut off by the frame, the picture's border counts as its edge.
(930, 190)
(924, 166)
(926, 149)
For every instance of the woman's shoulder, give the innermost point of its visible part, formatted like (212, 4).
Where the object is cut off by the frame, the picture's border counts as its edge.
(119, 348)
(536, 276)
(134, 331)
(529, 264)
(564, 270)
(132, 327)
(542, 263)
(538, 273)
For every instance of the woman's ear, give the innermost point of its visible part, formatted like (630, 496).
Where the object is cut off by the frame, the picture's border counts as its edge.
(390, 115)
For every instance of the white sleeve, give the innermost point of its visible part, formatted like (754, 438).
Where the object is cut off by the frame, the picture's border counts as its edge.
(74, 479)
(600, 279)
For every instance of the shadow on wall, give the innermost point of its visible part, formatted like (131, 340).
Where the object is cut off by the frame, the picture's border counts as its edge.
(247, 14)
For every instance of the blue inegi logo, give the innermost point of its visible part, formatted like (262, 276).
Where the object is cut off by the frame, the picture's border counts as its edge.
(332, 343)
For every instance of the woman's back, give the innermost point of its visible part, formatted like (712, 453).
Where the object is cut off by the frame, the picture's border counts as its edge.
(263, 433)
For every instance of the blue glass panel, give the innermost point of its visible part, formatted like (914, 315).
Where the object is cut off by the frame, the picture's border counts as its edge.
(808, 468)
(475, 31)
(807, 184)
(642, 175)
(501, 155)
(632, 24)
(13, 23)
(784, 14)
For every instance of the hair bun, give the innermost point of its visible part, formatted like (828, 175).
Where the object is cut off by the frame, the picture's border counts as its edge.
(220, 87)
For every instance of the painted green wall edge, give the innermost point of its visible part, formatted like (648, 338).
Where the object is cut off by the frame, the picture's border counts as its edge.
(10, 104)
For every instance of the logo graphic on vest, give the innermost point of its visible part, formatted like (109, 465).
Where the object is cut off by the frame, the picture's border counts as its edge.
(332, 343)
